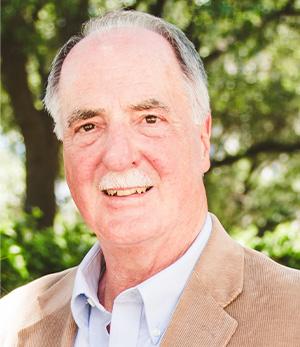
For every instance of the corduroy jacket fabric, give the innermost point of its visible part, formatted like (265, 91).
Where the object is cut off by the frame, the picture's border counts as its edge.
(235, 297)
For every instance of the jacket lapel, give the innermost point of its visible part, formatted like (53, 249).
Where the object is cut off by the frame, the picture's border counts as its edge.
(54, 306)
(200, 318)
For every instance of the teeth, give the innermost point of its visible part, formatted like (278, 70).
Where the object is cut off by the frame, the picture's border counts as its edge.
(141, 190)
(111, 192)
(125, 192)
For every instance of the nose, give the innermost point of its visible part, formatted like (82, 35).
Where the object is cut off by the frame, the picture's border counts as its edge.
(120, 153)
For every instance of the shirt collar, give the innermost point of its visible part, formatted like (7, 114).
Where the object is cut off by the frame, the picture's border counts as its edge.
(86, 286)
(161, 292)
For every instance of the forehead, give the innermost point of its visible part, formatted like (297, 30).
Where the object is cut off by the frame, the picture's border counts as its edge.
(119, 61)
(121, 43)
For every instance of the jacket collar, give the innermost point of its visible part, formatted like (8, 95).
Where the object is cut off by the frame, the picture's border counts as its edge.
(200, 317)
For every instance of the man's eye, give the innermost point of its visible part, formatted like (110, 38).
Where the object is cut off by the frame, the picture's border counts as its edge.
(87, 127)
(151, 119)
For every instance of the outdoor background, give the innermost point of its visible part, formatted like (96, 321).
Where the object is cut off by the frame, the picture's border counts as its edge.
(251, 52)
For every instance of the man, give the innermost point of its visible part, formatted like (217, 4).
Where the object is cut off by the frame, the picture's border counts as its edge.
(131, 107)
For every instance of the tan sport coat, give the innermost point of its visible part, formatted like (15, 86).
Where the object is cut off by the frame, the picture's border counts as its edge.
(234, 297)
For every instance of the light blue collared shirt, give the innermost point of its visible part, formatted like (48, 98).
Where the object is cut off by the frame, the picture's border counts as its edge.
(140, 315)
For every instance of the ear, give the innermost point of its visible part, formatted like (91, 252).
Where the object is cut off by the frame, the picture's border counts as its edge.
(205, 140)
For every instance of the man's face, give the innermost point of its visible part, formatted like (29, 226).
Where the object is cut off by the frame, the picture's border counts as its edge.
(124, 106)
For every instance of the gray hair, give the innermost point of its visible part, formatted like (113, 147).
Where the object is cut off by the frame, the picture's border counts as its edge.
(186, 54)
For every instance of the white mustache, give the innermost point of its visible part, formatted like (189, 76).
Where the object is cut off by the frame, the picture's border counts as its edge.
(129, 179)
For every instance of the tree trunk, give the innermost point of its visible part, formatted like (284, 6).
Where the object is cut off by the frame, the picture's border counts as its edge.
(36, 127)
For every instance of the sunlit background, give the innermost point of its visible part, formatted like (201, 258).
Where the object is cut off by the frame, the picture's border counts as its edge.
(251, 53)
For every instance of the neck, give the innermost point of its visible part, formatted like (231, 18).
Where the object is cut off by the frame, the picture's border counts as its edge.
(127, 266)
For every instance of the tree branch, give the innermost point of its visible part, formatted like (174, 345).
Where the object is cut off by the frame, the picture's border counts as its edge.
(256, 149)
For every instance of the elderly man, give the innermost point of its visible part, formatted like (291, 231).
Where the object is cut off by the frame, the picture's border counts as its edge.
(130, 104)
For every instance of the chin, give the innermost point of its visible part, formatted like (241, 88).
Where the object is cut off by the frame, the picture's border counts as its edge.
(126, 232)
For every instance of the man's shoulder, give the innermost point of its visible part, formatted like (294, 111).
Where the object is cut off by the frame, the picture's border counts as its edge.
(269, 288)
(262, 271)
(21, 306)
(32, 290)
(245, 271)
(267, 309)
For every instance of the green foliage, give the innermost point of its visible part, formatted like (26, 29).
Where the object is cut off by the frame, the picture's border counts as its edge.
(264, 192)
(282, 244)
(28, 253)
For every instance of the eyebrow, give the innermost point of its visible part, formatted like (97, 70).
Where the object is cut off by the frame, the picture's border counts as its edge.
(83, 115)
(148, 105)
(90, 113)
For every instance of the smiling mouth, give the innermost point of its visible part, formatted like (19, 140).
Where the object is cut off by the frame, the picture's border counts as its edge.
(126, 191)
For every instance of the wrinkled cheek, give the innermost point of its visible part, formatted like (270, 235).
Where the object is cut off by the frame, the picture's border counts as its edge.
(79, 175)
(163, 159)
(79, 164)
(162, 166)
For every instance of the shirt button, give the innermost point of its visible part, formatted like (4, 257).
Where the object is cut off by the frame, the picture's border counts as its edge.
(91, 302)
(156, 332)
